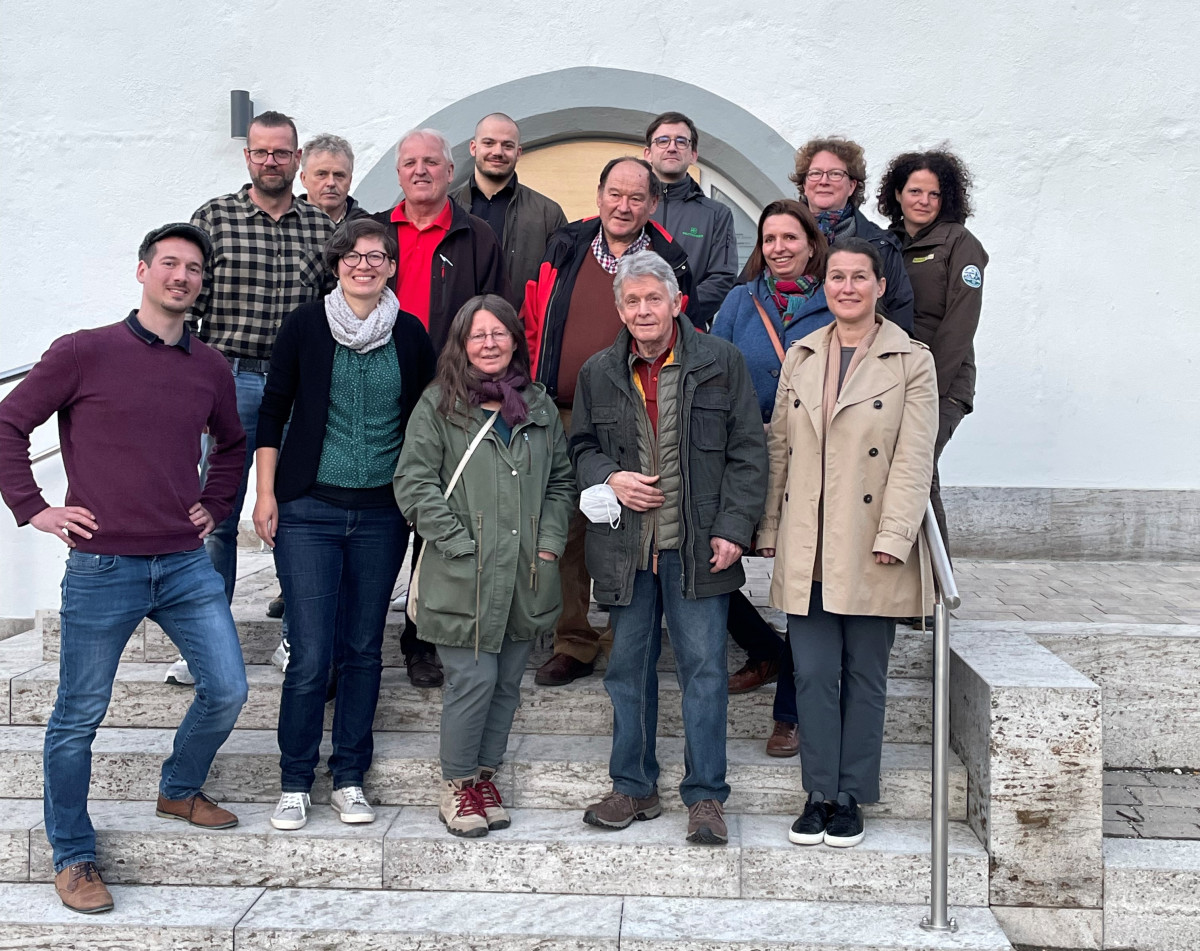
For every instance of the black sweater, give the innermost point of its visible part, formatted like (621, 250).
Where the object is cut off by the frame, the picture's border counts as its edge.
(298, 387)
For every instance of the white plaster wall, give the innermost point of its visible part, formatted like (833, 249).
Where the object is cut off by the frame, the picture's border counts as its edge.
(1079, 122)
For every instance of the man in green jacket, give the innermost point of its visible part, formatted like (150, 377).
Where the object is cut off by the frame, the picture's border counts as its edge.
(522, 219)
(667, 418)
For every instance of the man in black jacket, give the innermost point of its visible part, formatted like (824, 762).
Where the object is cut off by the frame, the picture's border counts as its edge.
(570, 314)
(703, 227)
(522, 219)
(447, 256)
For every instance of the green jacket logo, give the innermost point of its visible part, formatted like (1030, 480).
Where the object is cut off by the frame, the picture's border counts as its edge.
(691, 233)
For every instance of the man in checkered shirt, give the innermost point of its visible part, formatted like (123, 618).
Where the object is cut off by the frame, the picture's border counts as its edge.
(266, 262)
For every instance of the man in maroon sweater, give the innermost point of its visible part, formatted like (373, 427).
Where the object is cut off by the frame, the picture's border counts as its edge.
(132, 399)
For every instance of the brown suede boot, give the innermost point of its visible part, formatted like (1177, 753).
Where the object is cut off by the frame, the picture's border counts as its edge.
(79, 888)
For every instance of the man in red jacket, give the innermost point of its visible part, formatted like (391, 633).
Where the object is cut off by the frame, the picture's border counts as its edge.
(132, 399)
(447, 256)
(570, 313)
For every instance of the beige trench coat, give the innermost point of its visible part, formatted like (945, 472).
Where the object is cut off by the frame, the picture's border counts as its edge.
(878, 466)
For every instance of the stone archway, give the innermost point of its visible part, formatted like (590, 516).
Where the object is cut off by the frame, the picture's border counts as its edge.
(578, 103)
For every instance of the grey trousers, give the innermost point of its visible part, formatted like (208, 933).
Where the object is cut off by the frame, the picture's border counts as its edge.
(841, 697)
(479, 701)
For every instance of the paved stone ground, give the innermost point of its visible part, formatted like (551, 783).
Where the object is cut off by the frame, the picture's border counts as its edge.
(1144, 804)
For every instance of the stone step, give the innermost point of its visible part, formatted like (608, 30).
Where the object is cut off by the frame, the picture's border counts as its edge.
(544, 851)
(550, 772)
(1151, 890)
(146, 918)
(192, 918)
(259, 634)
(141, 699)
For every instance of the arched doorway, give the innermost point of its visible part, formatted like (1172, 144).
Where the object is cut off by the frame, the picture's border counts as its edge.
(743, 161)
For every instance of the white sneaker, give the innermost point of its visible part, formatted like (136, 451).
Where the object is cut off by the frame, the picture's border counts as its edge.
(351, 805)
(179, 675)
(282, 655)
(292, 811)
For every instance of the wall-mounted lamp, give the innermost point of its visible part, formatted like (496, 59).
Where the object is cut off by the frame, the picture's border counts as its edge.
(241, 112)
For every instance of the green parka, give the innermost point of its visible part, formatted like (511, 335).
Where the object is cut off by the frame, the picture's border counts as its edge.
(481, 576)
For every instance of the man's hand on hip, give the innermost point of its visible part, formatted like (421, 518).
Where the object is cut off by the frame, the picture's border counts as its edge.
(64, 521)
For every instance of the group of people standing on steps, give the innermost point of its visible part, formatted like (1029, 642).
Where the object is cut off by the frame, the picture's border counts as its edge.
(543, 406)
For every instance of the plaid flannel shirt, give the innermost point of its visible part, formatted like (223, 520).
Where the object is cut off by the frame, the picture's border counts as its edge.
(261, 270)
(607, 259)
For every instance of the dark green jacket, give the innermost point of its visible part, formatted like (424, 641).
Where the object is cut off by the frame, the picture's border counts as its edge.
(722, 451)
(481, 576)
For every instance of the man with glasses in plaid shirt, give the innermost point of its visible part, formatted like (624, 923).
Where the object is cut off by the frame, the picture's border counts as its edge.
(266, 262)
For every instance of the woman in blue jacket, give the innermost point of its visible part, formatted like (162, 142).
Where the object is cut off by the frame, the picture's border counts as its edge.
(783, 300)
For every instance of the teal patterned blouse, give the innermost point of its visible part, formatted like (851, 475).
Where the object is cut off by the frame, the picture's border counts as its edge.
(362, 432)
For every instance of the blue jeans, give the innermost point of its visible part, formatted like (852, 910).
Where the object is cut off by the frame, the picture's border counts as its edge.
(222, 542)
(697, 628)
(337, 568)
(104, 597)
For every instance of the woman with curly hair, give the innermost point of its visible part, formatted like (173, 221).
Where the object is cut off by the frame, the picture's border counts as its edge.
(926, 195)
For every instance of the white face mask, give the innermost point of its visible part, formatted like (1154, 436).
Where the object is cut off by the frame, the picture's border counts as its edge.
(600, 504)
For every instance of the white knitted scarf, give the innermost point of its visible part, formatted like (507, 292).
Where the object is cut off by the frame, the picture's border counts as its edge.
(368, 333)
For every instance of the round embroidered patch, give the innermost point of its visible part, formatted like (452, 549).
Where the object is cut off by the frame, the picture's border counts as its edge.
(972, 276)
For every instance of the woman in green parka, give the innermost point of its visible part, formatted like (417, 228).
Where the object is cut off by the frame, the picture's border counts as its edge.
(489, 580)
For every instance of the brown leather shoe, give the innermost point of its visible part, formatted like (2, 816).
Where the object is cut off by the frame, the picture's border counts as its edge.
(785, 740)
(754, 675)
(617, 811)
(560, 670)
(79, 888)
(199, 810)
(423, 669)
(706, 823)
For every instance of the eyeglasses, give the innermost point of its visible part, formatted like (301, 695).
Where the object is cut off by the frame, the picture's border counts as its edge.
(496, 336)
(281, 156)
(833, 174)
(681, 141)
(374, 258)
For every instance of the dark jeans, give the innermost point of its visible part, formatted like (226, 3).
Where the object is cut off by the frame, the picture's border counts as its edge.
(410, 643)
(784, 710)
(841, 686)
(104, 597)
(950, 414)
(750, 632)
(222, 541)
(337, 568)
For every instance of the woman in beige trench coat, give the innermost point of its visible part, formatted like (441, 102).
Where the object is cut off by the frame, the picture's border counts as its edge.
(851, 448)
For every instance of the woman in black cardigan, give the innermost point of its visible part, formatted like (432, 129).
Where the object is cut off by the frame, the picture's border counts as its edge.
(347, 372)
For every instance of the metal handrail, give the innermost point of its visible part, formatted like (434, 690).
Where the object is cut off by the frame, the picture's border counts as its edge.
(945, 598)
(16, 375)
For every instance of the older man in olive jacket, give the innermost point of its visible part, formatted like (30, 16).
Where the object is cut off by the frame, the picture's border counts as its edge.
(667, 418)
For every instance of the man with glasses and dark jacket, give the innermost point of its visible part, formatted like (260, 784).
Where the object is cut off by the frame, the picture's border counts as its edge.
(266, 262)
(702, 227)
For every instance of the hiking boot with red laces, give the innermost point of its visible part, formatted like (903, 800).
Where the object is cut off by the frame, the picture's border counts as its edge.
(462, 809)
(706, 823)
(493, 806)
(617, 811)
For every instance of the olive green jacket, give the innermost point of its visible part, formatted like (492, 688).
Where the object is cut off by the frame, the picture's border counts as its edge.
(481, 577)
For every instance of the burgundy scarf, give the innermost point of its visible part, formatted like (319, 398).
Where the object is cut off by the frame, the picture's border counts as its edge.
(506, 389)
